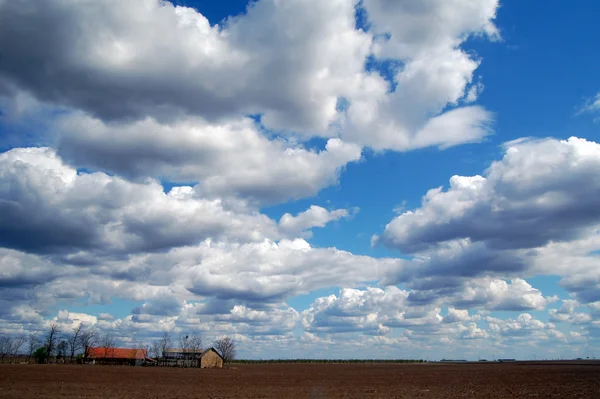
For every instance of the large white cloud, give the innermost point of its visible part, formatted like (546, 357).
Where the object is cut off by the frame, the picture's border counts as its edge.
(292, 62)
(415, 22)
(140, 243)
(137, 233)
(585, 285)
(540, 196)
(519, 295)
(524, 325)
(48, 206)
(541, 191)
(534, 212)
(272, 271)
(355, 310)
(227, 159)
(567, 313)
(22, 270)
(378, 311)
(288, 60)
(220, 274)
(425, 38)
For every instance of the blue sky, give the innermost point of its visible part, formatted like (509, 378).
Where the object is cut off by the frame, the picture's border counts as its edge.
(139, 197)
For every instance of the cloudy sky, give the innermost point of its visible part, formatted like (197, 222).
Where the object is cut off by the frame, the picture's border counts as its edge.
(327, 179)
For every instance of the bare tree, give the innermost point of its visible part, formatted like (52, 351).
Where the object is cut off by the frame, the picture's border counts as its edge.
(108, 343)
(33, 343)
(165, 344)
(5, 347)
(88, 339)
(142, 348)
(184, 344)
(195, 345)
(18, 342)
(226, 347)
(74, 341)
(52, 338)
(191, 345)
(184, 341)
(155, 350)
(195, 342)
(62, 350)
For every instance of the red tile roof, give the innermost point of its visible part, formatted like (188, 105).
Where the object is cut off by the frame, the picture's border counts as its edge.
(117, 353)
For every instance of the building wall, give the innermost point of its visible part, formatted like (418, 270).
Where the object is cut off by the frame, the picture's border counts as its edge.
(211, 360)
(118, 361)
(182, 359)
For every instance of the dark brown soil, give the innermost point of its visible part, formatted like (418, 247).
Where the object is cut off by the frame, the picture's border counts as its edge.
(293, 381)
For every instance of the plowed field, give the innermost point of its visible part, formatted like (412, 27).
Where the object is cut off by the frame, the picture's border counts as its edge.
(293, 381)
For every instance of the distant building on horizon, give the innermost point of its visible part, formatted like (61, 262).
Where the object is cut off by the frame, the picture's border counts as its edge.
(182, 357)
(210, 358)
(118, 356)
(203, 358)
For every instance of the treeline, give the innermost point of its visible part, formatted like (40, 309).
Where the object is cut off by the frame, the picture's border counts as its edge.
(336, 361)
(74, 346)
(53, 345)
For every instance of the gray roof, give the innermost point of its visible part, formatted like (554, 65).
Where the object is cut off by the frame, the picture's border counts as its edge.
(211, 349)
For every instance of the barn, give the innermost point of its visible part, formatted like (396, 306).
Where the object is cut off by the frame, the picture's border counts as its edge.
(210, 358)
(117, 356)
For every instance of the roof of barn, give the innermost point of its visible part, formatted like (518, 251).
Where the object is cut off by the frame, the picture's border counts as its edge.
(117, 353)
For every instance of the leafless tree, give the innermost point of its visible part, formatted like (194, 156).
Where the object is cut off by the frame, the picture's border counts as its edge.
(88, 339)
(184, 344)
(189, 353)
(155, 349)
(195, 345)
(184, 340)
(5, 347)
(33, 342)
(52, 338)
(108, 343)
(226, 347)
(74, 341)
(142, 348)
(62, 350)
(191, 345)
(195, 342)
(165, 344)
(17, 343)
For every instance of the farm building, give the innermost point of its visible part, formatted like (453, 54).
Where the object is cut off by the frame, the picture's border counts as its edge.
(210, 358)
(117, 356)
(182, 357)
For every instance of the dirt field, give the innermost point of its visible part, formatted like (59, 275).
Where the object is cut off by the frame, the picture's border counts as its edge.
(293, 381)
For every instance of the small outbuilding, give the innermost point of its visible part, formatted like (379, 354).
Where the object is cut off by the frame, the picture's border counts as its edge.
(210, 358)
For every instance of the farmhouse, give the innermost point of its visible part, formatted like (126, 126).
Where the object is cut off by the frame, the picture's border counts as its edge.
(210, 358)
(118, 356)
